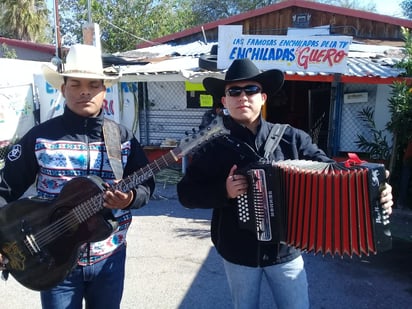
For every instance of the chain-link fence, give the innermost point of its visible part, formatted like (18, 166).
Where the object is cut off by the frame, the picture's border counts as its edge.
(4, 149)
(352, 125)
(166, 112)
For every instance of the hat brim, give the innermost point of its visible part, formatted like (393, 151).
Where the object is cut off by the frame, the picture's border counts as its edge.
(271, 81)
(56, 79)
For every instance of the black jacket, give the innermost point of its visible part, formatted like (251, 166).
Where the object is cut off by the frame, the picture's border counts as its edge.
(203, 186)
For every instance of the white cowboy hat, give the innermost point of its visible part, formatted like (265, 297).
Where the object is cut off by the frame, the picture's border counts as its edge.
(82, 61)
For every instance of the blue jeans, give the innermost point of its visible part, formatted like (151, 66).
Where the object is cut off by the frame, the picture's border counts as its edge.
(287, 283)
(100, 284)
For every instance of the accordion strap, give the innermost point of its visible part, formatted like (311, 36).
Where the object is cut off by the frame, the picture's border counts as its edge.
(274, 138)
(111, 133)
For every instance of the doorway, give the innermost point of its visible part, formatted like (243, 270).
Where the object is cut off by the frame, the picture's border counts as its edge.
(304, 105)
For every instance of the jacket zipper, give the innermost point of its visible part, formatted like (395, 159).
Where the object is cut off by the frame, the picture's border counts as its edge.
(87, 146)
(86, 140)
(258, 255)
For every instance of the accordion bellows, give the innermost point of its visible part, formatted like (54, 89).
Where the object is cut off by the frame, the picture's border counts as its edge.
(317, 207)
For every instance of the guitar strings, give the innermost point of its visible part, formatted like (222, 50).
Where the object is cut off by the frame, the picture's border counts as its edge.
(85, 210)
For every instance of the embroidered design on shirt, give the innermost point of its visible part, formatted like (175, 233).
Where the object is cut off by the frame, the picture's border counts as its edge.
(14, 153)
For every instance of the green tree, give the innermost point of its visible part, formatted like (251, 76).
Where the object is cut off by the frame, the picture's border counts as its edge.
(126, 23)
(211, 10)
(25, 20)
(406, 6)
(400, 105)
(8, 52)
(352, 4)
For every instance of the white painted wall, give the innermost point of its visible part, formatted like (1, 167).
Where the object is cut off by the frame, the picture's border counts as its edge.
(382, 113)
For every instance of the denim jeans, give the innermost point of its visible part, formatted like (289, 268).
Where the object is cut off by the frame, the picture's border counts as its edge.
(287, 282)
(99, 284)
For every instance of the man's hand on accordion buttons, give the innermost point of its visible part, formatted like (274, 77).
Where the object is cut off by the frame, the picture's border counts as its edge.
(235, 184)
(386, 196)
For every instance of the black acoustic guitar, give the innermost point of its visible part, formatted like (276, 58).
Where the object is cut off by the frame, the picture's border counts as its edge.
(42, 239)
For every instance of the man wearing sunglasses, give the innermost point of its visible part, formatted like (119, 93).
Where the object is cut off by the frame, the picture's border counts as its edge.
(211, 181)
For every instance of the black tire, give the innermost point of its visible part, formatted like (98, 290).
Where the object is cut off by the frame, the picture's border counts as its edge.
(208, 62)
(213, 50)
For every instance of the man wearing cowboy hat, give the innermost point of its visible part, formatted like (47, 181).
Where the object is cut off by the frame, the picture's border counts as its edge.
(73, 145)
(211, 181)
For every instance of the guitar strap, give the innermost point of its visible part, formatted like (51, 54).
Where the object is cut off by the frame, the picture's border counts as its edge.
(111, 134)
(274, 138)
(272, 142)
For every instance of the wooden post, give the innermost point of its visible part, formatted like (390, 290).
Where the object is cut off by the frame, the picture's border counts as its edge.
(91, 34)
(57, 30)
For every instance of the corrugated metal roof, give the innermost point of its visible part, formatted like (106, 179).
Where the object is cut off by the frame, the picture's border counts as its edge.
(182, 61)
(364, 67)
(163, 50)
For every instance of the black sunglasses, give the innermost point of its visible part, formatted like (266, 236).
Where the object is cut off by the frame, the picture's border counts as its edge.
(248, 89)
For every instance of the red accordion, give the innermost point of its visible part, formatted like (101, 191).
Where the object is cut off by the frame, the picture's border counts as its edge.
(316, 206)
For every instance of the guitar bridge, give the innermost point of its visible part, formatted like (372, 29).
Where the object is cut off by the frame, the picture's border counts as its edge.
(31, 244)
(30, 240)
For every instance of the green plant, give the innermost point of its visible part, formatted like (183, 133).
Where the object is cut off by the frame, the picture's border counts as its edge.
(8, 52)
(400, 106)
(406, 62)
(378, 147)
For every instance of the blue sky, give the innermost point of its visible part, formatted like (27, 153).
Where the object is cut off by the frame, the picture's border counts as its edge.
(388, 7)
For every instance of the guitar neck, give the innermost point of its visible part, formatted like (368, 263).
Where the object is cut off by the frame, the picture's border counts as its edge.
(214, 129)
(147, 171)
(95, 204)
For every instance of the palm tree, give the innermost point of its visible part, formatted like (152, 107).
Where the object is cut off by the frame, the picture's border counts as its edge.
(25, 20)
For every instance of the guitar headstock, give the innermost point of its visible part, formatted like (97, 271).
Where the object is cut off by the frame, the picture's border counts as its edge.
(194, 140)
